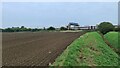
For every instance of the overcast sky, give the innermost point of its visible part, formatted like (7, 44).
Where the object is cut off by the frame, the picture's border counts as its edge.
(45, 14)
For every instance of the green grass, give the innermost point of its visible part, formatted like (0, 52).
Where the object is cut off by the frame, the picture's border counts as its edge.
(112, 37)
(88, 50)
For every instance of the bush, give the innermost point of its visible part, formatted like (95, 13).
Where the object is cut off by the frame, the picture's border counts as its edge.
(117, 29)
(105, 27)
(63, 28)
(51, 28)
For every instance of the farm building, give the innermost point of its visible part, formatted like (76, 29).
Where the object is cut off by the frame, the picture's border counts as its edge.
(88, 27)
(73, 26)
(76, 26)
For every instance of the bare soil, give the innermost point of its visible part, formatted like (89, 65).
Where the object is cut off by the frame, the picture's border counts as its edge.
(34, 48)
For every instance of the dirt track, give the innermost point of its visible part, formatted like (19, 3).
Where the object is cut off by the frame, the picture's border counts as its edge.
(34, 48)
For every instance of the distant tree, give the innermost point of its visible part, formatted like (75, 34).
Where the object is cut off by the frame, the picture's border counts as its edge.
(29, 29)
(51, 28)
(1, 29)
(105, 27)
(16, 29)
(35, 29)
(9, 30)
(22, 27)
(44, 28)
(63, 28)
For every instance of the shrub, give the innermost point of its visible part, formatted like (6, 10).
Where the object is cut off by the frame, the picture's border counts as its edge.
(117, 29)
(63, 28)
(105, 27)
(51, 28)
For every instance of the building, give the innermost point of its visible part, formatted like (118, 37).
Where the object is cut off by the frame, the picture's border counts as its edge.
(73, 26)
(76, 26)
(88, 27)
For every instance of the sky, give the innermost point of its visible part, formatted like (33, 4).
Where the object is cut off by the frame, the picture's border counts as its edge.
(59, 0)
(57, 14)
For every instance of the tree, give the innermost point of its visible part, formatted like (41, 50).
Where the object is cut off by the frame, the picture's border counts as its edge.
(15, 29)
(29, 29)
(44, 28)
(22, 27)
(0, 30)
(105, 27)
(117, 29)
(63, 28)
(35, 29)
(9, 30)
(51, 28)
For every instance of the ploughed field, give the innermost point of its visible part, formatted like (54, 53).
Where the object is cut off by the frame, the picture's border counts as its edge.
(34, 48)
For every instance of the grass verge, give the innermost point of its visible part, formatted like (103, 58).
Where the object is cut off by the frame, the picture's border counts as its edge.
(112, 37)
(88, 50)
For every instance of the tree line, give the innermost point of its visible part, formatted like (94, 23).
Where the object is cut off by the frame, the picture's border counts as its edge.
(103, 27)
(23, 28)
